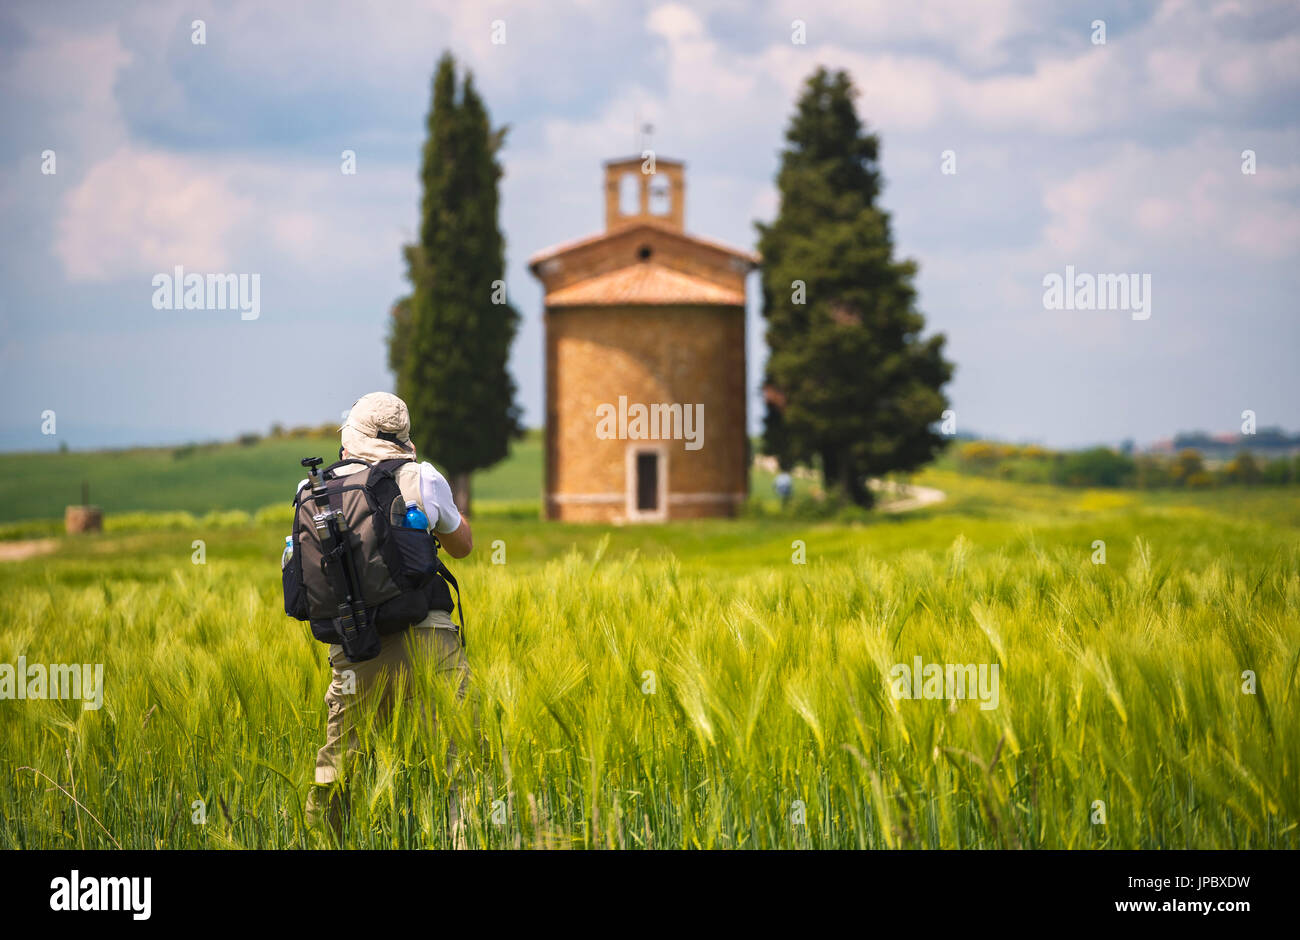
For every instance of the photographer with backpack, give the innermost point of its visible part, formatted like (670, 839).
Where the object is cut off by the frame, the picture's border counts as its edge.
(363, 568)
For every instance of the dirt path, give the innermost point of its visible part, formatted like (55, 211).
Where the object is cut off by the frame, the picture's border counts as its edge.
(892, 497)
(17, 551)
(904, 497)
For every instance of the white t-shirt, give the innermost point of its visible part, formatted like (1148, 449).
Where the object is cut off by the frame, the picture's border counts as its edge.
(435, 493)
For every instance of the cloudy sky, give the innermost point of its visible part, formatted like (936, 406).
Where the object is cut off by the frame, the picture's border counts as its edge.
(1122, 157)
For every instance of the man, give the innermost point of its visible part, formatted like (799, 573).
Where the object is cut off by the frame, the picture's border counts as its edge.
(379, 428)
(784, 486)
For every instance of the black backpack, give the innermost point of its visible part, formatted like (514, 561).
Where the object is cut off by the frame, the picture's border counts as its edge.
(394, 571)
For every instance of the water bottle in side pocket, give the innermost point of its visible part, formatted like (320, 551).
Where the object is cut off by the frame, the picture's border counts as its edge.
(415, 517)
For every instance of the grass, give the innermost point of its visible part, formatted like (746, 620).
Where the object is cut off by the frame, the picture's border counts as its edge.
(208, 478)
(689, 686)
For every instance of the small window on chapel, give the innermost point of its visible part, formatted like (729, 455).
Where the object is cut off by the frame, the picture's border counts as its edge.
(629, 194)
(661, 195)
(644, 252)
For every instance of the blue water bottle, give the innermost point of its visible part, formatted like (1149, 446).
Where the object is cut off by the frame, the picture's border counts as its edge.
(415, 517)
(288, 551)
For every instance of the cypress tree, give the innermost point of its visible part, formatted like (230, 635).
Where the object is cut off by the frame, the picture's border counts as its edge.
(850, 384)
(449, 344)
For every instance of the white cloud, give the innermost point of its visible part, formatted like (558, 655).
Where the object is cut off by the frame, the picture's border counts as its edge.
(66, 81)
(142, 212)
(1190, 203)
(975, 33)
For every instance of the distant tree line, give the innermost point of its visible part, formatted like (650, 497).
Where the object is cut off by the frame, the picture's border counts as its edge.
(1104, 467)
(1262, 439)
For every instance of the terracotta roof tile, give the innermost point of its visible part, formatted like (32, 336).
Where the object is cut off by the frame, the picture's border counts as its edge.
(568, 246)
(644, 283)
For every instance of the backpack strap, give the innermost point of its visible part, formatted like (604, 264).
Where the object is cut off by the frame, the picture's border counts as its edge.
(389, 467)
(441, 570)
(328, 472)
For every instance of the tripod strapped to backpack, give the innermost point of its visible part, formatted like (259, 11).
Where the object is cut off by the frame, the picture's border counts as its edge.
(337, 561)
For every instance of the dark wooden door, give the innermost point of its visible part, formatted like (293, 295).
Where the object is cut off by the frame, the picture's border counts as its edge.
(647, 482)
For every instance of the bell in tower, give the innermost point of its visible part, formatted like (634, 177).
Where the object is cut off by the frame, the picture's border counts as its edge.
(645, 189)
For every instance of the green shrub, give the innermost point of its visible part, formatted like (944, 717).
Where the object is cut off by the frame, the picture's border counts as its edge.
(1097, 466)
(30, 529)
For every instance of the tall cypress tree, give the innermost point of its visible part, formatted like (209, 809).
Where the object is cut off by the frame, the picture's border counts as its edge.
(850, 383)
(450, 341)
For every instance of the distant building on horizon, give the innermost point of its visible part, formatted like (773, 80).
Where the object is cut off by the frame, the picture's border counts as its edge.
(645, 360)
(1270, 442)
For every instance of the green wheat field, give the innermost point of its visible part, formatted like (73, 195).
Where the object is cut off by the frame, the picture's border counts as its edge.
(690, 685)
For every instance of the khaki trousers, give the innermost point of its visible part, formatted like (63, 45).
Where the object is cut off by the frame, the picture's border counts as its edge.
(358, 687)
